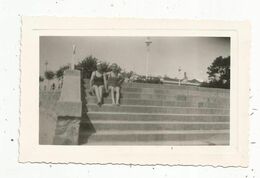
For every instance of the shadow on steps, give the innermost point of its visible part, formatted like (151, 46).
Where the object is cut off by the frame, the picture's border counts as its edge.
(85, 120)
(86, 125)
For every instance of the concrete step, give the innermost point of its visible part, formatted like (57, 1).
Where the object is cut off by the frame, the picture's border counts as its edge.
(171, 86)
(171, 98)
(156, 109)
(104, 125)
(131, 101)
(202, 142)
(174, 91)
(165, 86)
(175, 96)
(117, 116)
(155, 114)
(133, 137)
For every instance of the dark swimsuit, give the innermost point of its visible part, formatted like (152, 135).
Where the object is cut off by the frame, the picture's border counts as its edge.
(98, 81)
(113, 81)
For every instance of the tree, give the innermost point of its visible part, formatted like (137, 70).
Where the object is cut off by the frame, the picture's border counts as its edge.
(60, 72)
(41, 79)
(129, 74)
(88, 65)
(49, 75)
(219, 73)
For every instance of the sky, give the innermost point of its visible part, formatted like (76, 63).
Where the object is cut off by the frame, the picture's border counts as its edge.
(192, 54)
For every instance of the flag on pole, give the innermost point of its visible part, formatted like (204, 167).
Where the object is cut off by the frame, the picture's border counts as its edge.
(74, 49)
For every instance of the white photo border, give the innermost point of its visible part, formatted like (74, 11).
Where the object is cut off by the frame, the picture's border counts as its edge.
(236, 154)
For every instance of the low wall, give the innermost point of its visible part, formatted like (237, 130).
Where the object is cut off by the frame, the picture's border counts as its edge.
(69, 110)
(69, 103)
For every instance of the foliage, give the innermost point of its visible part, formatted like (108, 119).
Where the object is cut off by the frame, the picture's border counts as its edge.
(143, 79)
(219, 73)
(41, 79)
(170, 79)
(49, 75)
(60, 72)
(215, 84)
(88, 65)
(126, 74)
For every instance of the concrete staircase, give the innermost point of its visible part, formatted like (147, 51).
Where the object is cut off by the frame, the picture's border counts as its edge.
(155, 114)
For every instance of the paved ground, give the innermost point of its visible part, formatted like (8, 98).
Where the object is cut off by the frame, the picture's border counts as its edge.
(47, 117)
(48, 120)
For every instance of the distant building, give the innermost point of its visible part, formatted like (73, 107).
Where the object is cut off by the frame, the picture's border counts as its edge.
(181, 81)
(185, 78)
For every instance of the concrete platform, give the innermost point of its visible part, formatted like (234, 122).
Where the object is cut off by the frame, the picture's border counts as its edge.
(173, 91)
(149, 102)
(188, 98)
(151, 137)
(119, 116)
(157, 125)
(156, 109)
(166, 86)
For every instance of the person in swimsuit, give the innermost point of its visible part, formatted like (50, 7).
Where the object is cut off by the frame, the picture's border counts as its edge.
(98, 82)
(114, 82)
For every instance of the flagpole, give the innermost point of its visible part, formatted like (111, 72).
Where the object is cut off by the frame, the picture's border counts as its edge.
(148, 43)
(147, 62)
(73, 57)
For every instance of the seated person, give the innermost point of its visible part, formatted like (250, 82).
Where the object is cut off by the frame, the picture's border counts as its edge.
(114, 82)
(97, 83)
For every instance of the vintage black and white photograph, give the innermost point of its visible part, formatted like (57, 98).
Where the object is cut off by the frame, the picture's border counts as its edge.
(134, 90)
(151, 88)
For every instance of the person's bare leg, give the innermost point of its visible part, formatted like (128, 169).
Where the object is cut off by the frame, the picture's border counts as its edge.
(100, 88)
(112, 95)
(97, 94)
(117, 95)
(91, 91)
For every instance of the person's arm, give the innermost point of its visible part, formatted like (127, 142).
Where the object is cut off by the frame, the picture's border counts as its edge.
(121, 79)
(105, 81)
(91, 79)
(106, 74)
